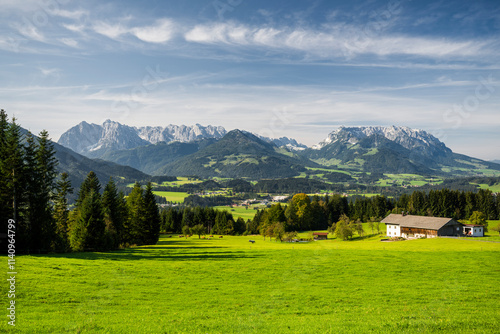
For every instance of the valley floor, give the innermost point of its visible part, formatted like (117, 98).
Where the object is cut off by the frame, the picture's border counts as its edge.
(229, 285)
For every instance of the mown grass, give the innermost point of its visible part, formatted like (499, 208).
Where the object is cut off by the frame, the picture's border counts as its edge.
(232, 286)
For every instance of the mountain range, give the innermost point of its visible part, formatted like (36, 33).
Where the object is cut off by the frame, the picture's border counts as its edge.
(78, 167)
(210, 151)
(95, 141)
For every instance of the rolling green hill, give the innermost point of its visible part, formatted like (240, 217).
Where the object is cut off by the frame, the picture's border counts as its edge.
(78, 166)
(151, 159)
(238, 154)
(377, 154)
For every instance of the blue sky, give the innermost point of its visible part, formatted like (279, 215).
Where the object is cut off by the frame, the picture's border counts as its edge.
(277, 68)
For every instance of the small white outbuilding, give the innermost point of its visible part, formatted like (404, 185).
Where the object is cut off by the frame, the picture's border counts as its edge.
(472, 230)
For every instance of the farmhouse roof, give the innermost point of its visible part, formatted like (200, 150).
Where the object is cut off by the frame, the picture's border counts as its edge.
(320, 233)
(428, 223)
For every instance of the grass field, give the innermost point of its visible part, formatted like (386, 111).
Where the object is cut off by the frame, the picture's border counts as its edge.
(232, 286)
(493, 188)
(240, 211)
(180, 181)
(172, 196)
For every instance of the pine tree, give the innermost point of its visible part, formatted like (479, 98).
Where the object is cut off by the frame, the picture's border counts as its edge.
(14, 168)
(5, 209)
(91, 183)
(221, 222)
(92, 220)
(187, 217)
(151, 216)
(87, 221)
(46, 166)
(135, 233)
(113, 214)
(32, 218)
(61, 212)
(239, 226)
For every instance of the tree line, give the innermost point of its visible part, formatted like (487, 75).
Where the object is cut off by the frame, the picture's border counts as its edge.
(36, 198)
(304, 213)
(203, 219)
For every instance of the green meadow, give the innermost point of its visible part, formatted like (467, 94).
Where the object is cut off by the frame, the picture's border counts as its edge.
(180, 181)
(230, 285)
(172, 196)
(240, 211)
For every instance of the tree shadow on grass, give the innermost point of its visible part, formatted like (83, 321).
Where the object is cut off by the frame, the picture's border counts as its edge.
(364, 237)
(176, 251)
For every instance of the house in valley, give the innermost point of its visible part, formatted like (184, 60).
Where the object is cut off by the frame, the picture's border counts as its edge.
(409, 226)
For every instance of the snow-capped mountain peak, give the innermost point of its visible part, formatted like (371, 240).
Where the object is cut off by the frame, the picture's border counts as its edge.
(405, 136)
(93, 139)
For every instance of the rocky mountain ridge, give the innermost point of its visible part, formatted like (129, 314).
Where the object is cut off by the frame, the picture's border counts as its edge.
(95, 141)
(411, 139)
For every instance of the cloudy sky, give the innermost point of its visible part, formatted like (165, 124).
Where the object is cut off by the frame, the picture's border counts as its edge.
(278, 68)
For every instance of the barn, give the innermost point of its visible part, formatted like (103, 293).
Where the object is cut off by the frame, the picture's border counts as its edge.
(320, 235)
(409, 226)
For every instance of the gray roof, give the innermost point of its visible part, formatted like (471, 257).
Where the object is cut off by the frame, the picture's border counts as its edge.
(429, 223)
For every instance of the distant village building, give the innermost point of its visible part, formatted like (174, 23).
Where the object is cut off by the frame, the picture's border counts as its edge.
(280, 198)
(409, 226)
(472, 230)
(320, 235)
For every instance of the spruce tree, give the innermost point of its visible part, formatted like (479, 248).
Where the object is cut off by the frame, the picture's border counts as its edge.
(61, 212)
(13, 175)
(46, 166)
(4, 198)
(31, 229)
(87, 222)
(91, 216)
(151, 216)
(91, 183)
(114, 214)
(14, 169)
(135, 233)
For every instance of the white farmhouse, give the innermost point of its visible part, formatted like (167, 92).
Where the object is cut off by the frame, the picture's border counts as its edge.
(409, 226)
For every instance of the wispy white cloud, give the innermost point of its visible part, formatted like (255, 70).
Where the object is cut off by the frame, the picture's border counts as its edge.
(79, 28)
(112, 31)
(160, 32)
(332, 41)
(69, 42)
(49, 71)
(31, 32)
(74, 15)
